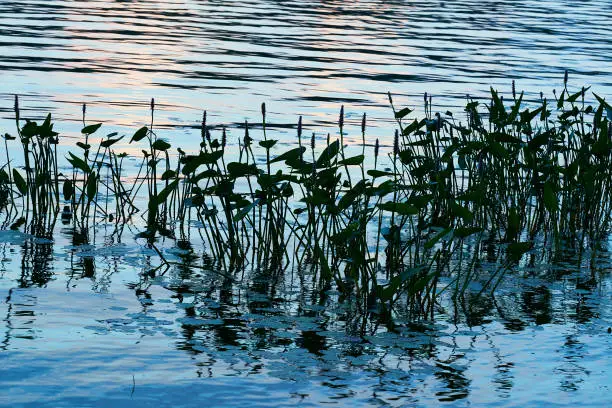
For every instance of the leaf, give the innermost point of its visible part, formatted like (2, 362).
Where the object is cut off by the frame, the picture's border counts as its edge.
(436, 238)
(163, 195)
(293, 154)
(349, 198)
(399, 208)
(352, 161)
(550, 197)
(68, 190)
(561, 100)
(168, 174)
(413, 127)
(515, 110)
(21, 184)
(109, 142)
(140, 134)
(464, 232)
(160, 145)
(78, 163)
(379, 173)
(517, 249)
(237, 169)
(191, 163)
(88, 130)
(577, 95)
(328, 154)
(326, 273)
(267, 144)
(92, 186)
(244, 211)
(461, 212)
(403, 113)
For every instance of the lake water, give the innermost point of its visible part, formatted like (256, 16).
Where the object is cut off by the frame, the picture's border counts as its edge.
(300, 57)
(81, 326)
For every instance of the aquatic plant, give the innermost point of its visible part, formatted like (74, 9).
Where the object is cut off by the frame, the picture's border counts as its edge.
(516, 182)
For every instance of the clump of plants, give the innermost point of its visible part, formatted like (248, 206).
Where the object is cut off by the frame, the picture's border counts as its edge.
(509, 182)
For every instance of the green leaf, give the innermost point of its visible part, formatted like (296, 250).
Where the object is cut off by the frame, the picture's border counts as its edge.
(191, 163)
(244, 211)
(21, 184)
(399, 208)
(88, 130)
(267, 144)
(161, 145)
(78, 163)
(109, 142)
(517, 249)
(577, 95)
(168, 174)
(236, 169)
(92, 187)
(461, 212)
(328, 154)
(413, 127)
(68, 190)
(163, 195)
(352, 161)
(379, 173)
(550, 197)
(326, 273)
(293, 154)
(403, 113)
(464, 232)
(436, 238)
(140, 134)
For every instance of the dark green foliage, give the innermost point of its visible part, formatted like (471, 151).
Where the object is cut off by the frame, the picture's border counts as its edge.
(515, 176)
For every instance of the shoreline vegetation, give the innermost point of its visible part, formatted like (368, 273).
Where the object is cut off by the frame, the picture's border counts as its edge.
(506, 185)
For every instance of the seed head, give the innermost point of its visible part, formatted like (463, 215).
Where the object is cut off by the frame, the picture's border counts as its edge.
(513, 89)
(312, 141)
(247, 138)
(152, 104)
(223, 138)
(390, 99)
(341, 118)
(363, 123)
(17, 107)
(299, 128)
(565, 78)
(263, 111)
(203, 129)
(376, 148)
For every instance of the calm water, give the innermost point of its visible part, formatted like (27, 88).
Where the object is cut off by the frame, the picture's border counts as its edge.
(80, 326)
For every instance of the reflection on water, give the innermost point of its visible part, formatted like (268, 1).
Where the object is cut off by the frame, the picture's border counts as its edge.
(90, 321)
(88, 324)
(300, 57)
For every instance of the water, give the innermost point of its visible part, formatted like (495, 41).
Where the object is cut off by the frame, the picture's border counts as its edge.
(301, 58)
(81, 326)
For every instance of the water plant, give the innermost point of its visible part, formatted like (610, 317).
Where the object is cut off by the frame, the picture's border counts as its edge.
(515, 182)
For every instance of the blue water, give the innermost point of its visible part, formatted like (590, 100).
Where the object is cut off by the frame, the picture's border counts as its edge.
(81, 325)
